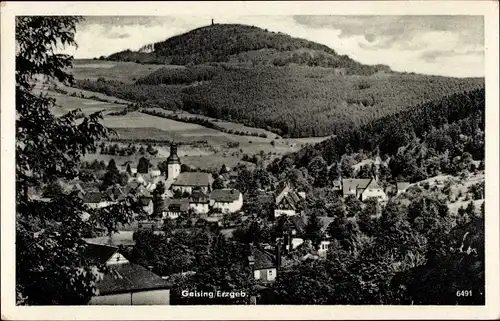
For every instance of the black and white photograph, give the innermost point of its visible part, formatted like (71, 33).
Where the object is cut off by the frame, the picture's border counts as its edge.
(240, 159)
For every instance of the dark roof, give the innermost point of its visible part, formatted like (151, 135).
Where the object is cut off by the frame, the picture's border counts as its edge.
(263, 259)
(100, 253)
(173, 158)
(193, 179)
(144, 201)
(130, 278)
(198, 196)
(176, 205)
(298, 222)
(225, 195)
(93, 197)
(265, 198)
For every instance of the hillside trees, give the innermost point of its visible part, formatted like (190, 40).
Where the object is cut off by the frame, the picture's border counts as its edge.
(51, 264)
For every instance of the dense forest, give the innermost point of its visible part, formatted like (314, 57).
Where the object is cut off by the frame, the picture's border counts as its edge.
(440, 136)
(290, 101)
(244, 44)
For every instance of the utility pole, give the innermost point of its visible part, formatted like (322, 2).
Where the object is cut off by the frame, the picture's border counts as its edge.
(212, 22)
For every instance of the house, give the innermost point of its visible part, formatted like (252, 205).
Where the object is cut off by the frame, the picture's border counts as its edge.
(363, 188)
(96, 199)
(324, 245)
(186, 182)
(125, 283)
(401, 187)
(173, 208)
(264, 264)
(199, 202)
(146, 204)
(287, 201)
(374, 190)
(116, 192)
(294, 232)
(337, 185)
(227, 200)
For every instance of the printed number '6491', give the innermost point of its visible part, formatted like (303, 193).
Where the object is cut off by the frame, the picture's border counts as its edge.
(464, 293)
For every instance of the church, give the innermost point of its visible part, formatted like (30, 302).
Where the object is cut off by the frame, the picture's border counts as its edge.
(185, 182)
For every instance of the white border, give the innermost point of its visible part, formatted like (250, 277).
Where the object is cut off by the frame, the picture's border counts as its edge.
(487, 8)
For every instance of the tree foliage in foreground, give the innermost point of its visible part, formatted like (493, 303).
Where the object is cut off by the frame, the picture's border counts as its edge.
(51, 266)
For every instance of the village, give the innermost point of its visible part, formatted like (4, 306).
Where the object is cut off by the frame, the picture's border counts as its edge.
(189, 200)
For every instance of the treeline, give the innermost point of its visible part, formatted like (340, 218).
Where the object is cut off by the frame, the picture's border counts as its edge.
(203, 122)
(443, 136)
(129, 150)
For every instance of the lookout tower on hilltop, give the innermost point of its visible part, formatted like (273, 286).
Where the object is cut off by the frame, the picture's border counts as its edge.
(173, 163)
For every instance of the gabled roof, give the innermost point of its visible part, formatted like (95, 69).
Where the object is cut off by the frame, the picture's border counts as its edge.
(354, 184)
(325, 221)
(263, 259)
(193, 179)
(176, 205)
(373, 184)
(144, 201)
(401, 186)
(93, 197)
(226, 195)
(130, 277)
(99, 253)
(198, 196)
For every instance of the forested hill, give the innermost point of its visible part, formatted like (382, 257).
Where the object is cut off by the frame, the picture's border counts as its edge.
(244, 44)
(422, 141)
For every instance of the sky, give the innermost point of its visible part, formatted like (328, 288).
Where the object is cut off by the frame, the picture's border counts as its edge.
(437, 45)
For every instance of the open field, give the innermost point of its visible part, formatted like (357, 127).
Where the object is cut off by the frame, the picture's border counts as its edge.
(218, 148)
(127, 72)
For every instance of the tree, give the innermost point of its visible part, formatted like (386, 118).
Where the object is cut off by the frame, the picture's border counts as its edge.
(143, 166)
(129, 170)
(313, 229)
(218, 183)
(51, 265)
(353, 205)
(112, 175)
(157, 198)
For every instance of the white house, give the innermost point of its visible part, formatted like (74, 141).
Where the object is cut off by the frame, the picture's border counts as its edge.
(125, 283)
(401, 187)
(363, 188)
(227, 200)
(187, 182)
(173, 208)
(264, 265)
(287, 201)
(323, 248)
(199, 202)
(373, 190)
(96, 199)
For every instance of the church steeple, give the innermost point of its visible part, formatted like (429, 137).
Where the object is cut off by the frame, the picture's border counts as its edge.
(173, 163)
(173, 158)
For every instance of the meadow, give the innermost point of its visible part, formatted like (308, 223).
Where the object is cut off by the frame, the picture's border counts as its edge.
(127, 72)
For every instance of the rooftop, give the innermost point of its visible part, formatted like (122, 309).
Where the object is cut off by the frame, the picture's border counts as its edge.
(130, 277)
(263, 259)
(225, 195)
(193, 179)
